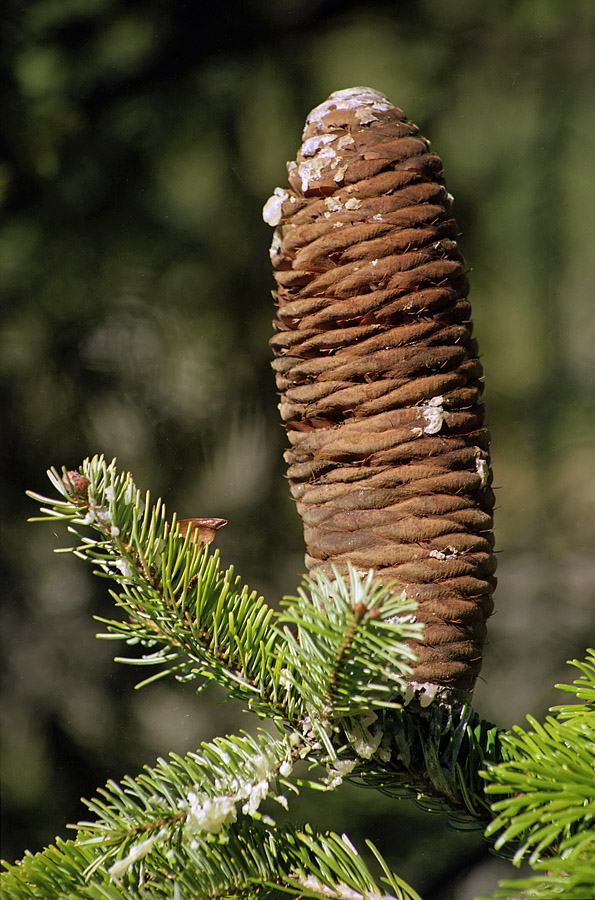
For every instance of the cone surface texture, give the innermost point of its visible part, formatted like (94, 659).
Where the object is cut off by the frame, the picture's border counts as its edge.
(379, 377)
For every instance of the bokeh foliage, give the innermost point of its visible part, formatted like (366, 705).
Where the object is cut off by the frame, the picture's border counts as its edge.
(140, 142)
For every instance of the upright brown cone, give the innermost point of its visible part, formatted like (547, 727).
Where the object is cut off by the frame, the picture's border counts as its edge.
(378, 373)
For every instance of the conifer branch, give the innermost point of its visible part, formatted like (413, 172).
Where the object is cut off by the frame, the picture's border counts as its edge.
(252, 862)
(345, 644)
(195, 621)
(332, 671)
(548, 808)
(433, 755)
(355, 639)
(198, 793)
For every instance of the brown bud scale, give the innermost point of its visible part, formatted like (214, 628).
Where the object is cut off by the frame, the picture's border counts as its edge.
(378, 373)
(203, 529)
(76, 484)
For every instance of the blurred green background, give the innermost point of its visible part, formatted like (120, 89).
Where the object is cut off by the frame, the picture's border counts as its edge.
(141, 140)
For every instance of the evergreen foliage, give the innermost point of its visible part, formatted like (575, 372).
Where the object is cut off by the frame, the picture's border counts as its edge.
(548, 784)
(139, 146)
(329, 673)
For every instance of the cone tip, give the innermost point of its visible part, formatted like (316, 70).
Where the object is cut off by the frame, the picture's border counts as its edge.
(349, 99)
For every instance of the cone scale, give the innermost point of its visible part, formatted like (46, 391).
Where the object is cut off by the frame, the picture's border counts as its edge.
(378, 374)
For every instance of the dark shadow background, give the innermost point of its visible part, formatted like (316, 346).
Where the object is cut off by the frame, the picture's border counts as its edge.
(141, 140)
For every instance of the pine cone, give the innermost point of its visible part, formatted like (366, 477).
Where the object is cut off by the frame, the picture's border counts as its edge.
(379, 377)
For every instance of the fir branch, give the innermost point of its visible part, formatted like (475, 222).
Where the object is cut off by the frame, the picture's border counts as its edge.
(349, 634)
(331, 667)
(548, 780)
(549, 785)
(251, 862)
(433, 755)
(549, 805)
(583, 688)
(568, 876)
(330, 670)
(194, 620)
(200, 792)
(355, 639)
